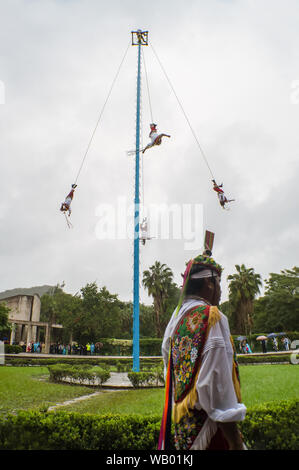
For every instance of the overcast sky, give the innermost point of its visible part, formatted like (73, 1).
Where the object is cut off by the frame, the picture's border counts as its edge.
(234, 65)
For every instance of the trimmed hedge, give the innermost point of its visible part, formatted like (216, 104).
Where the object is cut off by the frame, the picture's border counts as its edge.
(264, 359)
(118, 347)
(154, 377)
(126, 364)
(271, 426)
(80, 375)
(120, 362)
(70, 360)
(150, 346)
(73, 431)
(13, 349)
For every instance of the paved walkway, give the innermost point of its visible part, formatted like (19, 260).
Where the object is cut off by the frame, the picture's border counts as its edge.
(74, 400)
(118, 380)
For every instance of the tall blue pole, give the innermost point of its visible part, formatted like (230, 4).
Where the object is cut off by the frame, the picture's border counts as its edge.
(136, 228)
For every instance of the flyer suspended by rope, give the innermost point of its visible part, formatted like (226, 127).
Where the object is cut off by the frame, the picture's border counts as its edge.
(220, 193)
(66, 205)
(222, 198)
(156, 139)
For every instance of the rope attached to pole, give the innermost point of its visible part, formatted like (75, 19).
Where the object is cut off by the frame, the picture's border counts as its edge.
(147, 86)
(186, 117)
(101, 113)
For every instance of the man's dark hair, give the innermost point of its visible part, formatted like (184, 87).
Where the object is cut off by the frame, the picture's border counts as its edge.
(195, 286)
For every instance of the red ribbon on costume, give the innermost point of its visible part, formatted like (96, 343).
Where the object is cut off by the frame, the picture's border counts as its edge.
(165, 430)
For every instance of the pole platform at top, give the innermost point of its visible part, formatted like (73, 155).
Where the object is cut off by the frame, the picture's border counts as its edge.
(139, 38)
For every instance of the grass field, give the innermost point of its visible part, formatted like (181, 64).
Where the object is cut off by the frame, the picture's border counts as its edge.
(25, 387)
(28, 388)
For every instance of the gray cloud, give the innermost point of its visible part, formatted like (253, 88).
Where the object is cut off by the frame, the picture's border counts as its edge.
(231, 64)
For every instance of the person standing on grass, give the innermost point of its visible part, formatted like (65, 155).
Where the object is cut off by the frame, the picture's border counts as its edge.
(199, 355)
(264, 345)
(275, 344)
(243, 344)
(286, 343)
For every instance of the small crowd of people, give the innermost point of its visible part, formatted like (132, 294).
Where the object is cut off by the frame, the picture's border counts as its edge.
(88, 349)
(285, 343)
(245, 348)
(33, 347)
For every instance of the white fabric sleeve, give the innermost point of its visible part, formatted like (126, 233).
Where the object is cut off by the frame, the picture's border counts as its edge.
(216, 393)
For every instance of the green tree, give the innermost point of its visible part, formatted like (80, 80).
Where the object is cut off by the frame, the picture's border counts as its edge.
(147, 320)
(59, 307)
(170, 303)
(5, 326)
(278, 309)
(243, 287)
(225, 308)
(50, 305)
(158, 281)
(100, 316)
(126, 320)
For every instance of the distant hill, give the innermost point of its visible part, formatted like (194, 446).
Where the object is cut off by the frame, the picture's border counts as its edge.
(40, 290)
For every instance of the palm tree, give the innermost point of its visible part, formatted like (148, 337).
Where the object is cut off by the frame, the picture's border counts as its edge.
(157, 280)
(243, 288)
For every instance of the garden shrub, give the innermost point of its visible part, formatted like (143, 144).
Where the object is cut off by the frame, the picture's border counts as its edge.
(120, 366)
(102, 375)
(33, 430)
(158, 372)
(138, 379)
(150, 346)
(126, 364)
(12, 349)
(124, 347)
(59, 372)
(154, 377)
(71, 360)
(252, 359)
(270, 426)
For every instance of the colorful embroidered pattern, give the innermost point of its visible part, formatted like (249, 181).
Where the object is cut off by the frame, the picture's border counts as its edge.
(188, 428)
(188, 341)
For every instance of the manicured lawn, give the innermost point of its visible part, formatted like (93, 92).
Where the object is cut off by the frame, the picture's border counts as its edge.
(22, 388)
(259, 384)
(265, 383)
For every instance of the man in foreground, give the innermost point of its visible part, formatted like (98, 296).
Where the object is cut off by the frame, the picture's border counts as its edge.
(200, 366)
